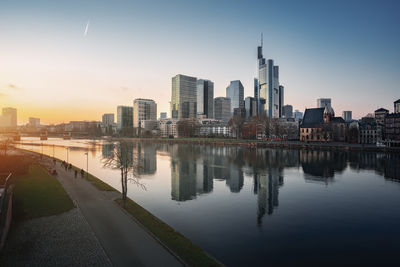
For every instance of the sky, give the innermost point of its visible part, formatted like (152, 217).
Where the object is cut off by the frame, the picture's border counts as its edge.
(75, 60)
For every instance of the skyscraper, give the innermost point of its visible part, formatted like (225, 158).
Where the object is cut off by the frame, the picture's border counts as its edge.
(250, 104)
(268, 83)
(222, 109)
(124, 118)
(183, 97)
(205, 98)
(235, 91)
(347, 115)
(10, 116)
(287, 111)
(324, 102)
(143, 109)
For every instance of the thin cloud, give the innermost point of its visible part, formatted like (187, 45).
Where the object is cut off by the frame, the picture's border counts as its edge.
(86, 29)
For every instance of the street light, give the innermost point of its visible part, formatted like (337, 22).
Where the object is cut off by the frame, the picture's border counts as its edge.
(67, 153)
(87, 165)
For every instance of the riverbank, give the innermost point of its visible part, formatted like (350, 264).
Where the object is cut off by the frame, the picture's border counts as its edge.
(267, 144)
(181, 247)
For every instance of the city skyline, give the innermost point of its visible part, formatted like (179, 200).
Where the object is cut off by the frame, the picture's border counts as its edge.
(58, 68)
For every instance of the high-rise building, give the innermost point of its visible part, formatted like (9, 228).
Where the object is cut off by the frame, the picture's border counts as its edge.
(34, 122)
(347, 115)
(143, 109)
(183, 97)
(235, 91)
(257, 94)
(205, 98)
(124, 118)
(163, 115)
(250, 105)
(268, 83)
(222, 109)
(298, 115)
(287, 111)
(324, 102)
(108, 119)
(10, 117)
(281, 100)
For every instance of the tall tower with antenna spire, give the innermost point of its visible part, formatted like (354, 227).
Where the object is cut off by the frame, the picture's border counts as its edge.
(268, 85)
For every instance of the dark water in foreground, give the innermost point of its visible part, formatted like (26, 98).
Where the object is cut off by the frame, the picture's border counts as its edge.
(266, 206)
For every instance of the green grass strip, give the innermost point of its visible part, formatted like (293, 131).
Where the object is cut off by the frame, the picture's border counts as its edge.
(183, 247)
(38, 194)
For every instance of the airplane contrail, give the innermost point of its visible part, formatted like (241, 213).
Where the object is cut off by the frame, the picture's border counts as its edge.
(87, 28)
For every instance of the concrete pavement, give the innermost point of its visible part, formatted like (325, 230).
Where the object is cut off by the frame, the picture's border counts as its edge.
(125, 242)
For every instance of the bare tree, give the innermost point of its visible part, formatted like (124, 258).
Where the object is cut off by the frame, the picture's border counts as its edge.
(125, 161)
(236, 124)
(5, 145)
(188, 128)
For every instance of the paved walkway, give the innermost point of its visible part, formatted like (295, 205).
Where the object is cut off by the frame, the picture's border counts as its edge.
(125, 242)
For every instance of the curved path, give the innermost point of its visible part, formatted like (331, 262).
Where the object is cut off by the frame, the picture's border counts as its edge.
(125, 241)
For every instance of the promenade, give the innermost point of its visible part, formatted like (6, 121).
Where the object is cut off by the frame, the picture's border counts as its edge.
(125, 242)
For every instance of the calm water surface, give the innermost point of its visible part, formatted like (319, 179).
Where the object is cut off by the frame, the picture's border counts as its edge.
(262, 206)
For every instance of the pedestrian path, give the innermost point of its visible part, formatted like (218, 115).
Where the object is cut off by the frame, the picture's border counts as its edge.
(125, 241)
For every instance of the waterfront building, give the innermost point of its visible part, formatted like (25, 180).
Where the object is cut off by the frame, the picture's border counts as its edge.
(8, 118)
(222, 109)
(143, 109)
(250, 105)
(125, 119)
(168, 127)
(320, 124)
(235, 91)
(108, 119)
(287, 111)
(205, 98)
(380, 115)
(347, 115)
(34, 122)
(268, 85)
(213, 127)
(183, 97)
(324, 102)
(367, 131)
(392, 130)
(163, 115)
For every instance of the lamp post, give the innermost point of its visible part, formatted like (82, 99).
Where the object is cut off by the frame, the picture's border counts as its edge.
(67, 153)
(87, 165)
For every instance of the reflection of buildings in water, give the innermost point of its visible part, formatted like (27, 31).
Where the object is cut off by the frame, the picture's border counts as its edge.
(235, 179)
(190, 178)
(183, 179)
(392, 167)
(321, 166)
(386, 164)
(107, 150)
(146, 158)
(266, 186)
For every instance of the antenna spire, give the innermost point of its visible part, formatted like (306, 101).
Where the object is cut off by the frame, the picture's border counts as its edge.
(262, 39)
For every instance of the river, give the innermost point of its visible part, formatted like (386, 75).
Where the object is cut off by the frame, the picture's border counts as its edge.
(250, 207)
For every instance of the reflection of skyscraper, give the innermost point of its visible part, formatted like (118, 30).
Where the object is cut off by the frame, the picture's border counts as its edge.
(107, 150)
(267, 188)
(235, 180)
(204, 177)
(183, 179)
(146, 158)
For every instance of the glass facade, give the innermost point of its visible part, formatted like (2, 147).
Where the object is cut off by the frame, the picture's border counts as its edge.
(205, 98)
(183, 97)
(235, 91)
